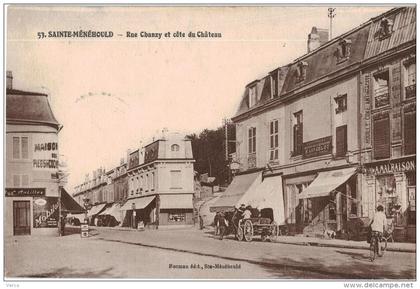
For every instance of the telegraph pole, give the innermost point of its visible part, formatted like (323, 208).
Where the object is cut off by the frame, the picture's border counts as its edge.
(331, 15)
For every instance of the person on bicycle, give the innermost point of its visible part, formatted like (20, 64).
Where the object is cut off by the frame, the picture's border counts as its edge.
(379, 223)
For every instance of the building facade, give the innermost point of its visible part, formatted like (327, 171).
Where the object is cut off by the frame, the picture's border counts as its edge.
(161, 183)
(32, 179)
(331, 121)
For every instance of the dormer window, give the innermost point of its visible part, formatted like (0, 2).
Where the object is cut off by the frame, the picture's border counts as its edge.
(175, 148)
(274, 84)
(252, 92)
(343, 50)
(301, 71)
(385, 29)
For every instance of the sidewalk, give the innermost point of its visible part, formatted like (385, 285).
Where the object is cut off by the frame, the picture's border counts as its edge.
(310, 241)
(302, 241)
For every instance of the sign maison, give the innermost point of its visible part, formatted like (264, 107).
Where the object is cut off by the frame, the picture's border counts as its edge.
(25, 192)
(318, 147)
(392, 166)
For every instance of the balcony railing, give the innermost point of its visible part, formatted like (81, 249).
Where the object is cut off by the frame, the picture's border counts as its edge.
(381, 96)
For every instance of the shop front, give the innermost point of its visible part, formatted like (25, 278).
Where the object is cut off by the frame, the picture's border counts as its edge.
(32, 212)
(392, 184)
(320, 203)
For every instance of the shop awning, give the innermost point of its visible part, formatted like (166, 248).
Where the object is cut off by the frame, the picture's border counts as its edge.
(139, 203)
(326, 182)
(68, 204)
(114, 210)
(176, 201)
(95, 210)
(232, 196)
(268, 194)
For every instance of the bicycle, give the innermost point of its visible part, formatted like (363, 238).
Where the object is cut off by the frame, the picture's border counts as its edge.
(375, 249)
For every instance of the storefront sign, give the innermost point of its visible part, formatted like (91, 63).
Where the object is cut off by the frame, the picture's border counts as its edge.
(46, 212)
(25, 192)
(45, 152)
(318, 147)
(392, 166)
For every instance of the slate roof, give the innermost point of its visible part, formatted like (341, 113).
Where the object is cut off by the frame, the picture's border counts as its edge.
(29, 107)
(322, 61)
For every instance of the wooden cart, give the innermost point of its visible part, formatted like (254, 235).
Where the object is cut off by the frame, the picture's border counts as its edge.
(248, 228)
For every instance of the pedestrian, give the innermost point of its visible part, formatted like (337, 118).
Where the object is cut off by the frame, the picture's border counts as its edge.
(247, 213)
(216, 224)
(222, 224)
(379, 224)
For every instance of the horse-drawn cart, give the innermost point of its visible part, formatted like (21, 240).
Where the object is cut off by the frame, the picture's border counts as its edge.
(248, 228)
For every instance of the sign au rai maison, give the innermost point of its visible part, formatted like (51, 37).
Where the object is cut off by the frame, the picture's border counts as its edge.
(392, 166)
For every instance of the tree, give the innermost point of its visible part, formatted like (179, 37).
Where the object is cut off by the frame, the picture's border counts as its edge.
(209, 154)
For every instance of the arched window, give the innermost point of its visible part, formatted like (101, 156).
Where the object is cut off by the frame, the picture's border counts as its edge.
(174, 147)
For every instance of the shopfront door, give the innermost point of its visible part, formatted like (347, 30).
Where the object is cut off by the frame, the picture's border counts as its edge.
(21, 218)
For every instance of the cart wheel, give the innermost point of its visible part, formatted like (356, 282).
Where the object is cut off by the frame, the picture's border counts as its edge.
(239, 234)
(274, 231)
(248, 231)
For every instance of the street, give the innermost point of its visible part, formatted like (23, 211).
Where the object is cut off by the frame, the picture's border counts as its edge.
(191, 254)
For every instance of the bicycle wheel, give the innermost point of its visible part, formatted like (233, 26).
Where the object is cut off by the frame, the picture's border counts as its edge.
(372, 250)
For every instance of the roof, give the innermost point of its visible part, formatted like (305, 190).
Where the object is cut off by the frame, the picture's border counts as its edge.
(322, 61)
(404, 30)
(29, 107)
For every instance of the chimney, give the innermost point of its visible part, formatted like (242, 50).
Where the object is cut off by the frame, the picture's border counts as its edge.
(9, 80)
(316, 38)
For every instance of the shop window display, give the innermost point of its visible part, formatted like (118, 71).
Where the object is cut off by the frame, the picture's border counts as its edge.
(386, 195)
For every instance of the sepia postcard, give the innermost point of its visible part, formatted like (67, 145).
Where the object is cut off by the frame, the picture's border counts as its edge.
(210, 142)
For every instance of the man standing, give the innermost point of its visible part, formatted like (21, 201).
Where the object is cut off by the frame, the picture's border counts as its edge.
(223, 224)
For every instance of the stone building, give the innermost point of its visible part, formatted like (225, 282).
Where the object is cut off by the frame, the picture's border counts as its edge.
(32, 179)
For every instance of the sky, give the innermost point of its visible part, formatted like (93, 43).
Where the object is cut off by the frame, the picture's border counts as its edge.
(114, 94)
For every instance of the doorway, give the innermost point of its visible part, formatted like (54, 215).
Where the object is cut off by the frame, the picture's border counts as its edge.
(21, 218)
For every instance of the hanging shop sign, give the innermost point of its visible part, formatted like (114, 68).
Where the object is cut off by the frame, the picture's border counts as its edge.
(25, 192)
(45, 152)
(46, 212)
(392, 166)
(318, 147)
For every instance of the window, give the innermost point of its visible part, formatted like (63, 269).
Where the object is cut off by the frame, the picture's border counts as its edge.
(16, 147)
(176, 217)
(381, 89)
(25, 180)
(385, 28)
(381, 136)
(343, 50)
(298, 133)
(409, 132)
(410, 79)
(274, 140)
(252, 140)
(252, 95)
(16, 181)
(274, 84)
(175, 148)
(141, 184)
(176, 179)
(341, 141)
(146, 185)
(341, 102)
(20, 147)
(152, 181)
(301, 71)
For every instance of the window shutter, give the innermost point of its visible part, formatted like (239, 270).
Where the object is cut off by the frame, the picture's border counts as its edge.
(300, 138)
(381, 138)
(16, 148)
(410, 133)
(341, 140)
